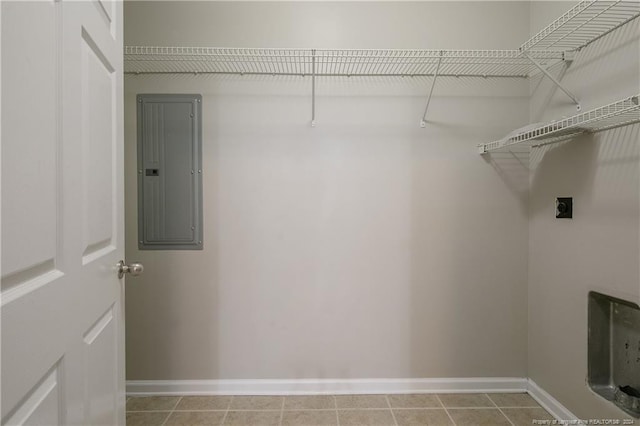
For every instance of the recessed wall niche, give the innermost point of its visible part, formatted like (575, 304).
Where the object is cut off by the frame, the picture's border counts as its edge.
(614, 351)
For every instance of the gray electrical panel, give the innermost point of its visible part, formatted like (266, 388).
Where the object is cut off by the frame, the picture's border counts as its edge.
(170, 172)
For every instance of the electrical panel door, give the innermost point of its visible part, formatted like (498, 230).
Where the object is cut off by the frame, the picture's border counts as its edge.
(169, 172)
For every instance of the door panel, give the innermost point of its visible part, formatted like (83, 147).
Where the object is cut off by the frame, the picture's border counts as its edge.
(62, 213)
(30, 114)
(106, 7)
(32, 259)
(100, 356)
(43, 405)
(98, 85)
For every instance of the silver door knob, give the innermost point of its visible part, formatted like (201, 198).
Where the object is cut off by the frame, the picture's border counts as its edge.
(134, 269)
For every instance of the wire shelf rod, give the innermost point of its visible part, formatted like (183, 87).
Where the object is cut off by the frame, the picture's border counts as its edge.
(313, 90)
(433, 84)
(300, 74)
(555, 81)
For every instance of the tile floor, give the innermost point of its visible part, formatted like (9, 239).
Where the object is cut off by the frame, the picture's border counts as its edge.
(338, 410)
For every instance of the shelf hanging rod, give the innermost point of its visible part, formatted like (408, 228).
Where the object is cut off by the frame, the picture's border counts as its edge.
(423, 122)
(554, 80)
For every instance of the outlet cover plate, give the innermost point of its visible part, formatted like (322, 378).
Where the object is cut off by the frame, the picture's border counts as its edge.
(564, 207)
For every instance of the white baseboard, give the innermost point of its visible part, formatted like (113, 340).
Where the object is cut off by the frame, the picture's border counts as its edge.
(549, 403)
(325, 386)
(351, 386)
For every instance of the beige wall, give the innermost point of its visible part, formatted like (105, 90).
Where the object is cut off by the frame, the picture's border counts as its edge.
(366, 247)
(599, 248)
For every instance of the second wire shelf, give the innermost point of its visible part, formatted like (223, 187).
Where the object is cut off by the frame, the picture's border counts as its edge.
(621, 113)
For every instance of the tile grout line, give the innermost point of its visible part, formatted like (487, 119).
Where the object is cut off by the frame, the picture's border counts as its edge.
(500, 409)
(374, 409)
(257, 409)
(224, 418)
(329, 409)
(445, 409)
(171, 412)
(480, 408)
(395, 422)
(524, 407)
(491, 407)
(335, 404)
(282, 410)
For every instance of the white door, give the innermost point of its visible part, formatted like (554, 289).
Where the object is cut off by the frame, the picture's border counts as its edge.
(62, 213)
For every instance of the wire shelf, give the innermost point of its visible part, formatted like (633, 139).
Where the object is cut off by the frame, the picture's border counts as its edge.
(325, 62)
(620, 113)
(583, 24)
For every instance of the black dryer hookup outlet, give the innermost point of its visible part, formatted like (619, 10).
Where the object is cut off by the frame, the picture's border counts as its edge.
(564, 207)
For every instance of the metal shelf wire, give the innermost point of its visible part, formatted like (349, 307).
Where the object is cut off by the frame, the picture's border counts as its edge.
(620, 113)
(330, 63)
(583, 24)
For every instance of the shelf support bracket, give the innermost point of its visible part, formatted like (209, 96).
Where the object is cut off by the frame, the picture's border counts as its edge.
(423, 122)
(555, 81)
(313, 88)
